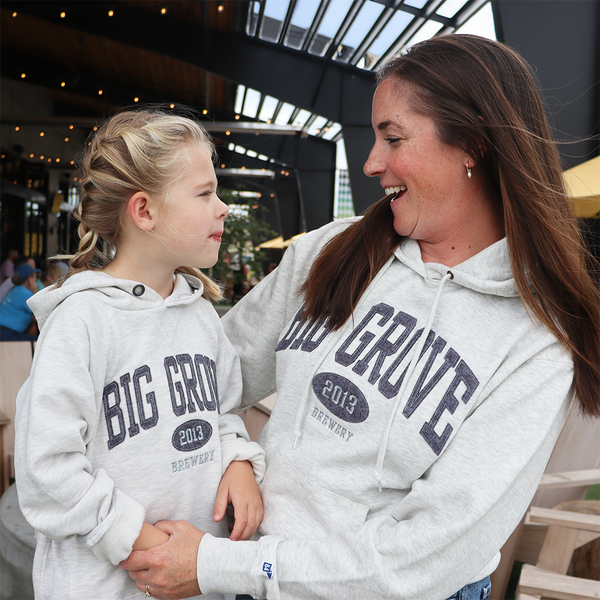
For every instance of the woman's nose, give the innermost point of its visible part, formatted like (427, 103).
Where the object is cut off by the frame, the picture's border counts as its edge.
(373, 166)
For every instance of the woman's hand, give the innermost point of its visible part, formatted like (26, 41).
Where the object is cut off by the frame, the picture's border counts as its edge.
(169, 569)
(239, 487)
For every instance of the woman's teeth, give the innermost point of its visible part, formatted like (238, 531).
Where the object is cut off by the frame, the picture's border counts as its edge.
(395, 190)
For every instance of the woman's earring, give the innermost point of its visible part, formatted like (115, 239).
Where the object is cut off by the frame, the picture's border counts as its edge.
(468, 170)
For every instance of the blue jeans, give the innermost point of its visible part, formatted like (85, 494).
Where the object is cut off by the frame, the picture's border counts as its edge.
(480, 590)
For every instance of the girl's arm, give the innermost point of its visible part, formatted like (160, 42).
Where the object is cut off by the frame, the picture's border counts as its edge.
(149, 537)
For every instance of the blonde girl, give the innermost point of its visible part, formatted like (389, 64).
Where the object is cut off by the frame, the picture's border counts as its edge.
(129, 414)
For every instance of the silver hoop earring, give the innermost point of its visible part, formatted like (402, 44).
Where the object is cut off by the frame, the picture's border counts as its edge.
(468, 170)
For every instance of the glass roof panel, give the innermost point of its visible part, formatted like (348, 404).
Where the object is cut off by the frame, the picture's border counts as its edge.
(362, 24)
(283, 117)
(481, 23)
(251, 104)
(301, 118)
(332, 131)
(305, 12)
(396, 25)
(416, 3)
(239, 98)
(317, 125)
(427, 31)
(268, 108)
(276, 9)
(330, 24)
(450, 8)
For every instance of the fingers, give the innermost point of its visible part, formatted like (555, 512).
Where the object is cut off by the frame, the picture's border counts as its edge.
(221, 503)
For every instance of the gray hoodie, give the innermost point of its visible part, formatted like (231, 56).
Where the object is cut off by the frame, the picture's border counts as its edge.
(129, 415)
(403, 448)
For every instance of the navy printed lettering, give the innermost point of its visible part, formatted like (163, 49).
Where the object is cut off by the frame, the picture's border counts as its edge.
(112, 411)
(191, 435)
(291, 333)
(331, 424)
(192, 461)
(177, 401)
(421, 391)
(341, 397)
(190, 382)
(449, 402)
(134, 428)
(206, 366)
(386, 387)
(309, 343)
(341, 356)
(152, 419)
(384, 348)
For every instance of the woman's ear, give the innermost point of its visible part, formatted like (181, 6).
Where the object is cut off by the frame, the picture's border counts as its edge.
(141, 210)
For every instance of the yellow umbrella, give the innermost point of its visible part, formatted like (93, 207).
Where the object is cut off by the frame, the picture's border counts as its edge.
(293, 239)
(274, 243)
(583, 187)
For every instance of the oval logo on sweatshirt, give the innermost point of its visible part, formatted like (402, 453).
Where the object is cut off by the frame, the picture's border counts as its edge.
(341, 397)
(191, 435)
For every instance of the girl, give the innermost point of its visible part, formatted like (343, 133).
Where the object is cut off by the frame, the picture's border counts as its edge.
(129, 414)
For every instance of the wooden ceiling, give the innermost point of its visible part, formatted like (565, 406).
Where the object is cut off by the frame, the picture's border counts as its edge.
(74, 66)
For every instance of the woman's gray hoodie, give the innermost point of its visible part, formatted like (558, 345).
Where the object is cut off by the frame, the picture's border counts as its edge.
(405, 447)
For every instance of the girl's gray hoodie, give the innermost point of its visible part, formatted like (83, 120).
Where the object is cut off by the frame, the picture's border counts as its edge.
(129, 415)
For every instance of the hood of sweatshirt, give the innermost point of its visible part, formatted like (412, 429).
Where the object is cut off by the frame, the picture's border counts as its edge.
(122, 294)
(488, 272)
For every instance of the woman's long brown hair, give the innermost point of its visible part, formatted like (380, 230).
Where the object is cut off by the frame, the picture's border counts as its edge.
(483, 99)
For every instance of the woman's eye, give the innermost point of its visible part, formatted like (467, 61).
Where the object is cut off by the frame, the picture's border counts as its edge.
(391, 140)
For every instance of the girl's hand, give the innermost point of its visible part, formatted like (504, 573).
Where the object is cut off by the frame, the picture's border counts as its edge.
(239, 487)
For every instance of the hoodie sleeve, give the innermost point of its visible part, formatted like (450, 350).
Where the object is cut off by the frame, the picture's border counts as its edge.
(444, 534)
(235, 443)
(57, 414)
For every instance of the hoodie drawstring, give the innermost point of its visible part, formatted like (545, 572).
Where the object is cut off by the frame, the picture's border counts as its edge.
(413, 363)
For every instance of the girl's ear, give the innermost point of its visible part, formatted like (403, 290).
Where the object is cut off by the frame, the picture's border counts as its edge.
(141, 211)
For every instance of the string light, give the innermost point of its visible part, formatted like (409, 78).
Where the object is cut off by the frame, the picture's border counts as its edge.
(111, 13)
(228, 133)
(204, 112)
(23, 75)
(172, 105)
(17, 128)
(14, 14)
(99, 92)
(237, 117)
(62, 84)
(63, 15)
(58, 160)
(223, 166)
(42, 134)
(66, 139)
(70, 126)
(30, 156)
(41, 157)
(163, 11)
(136, 99)
(220, 8)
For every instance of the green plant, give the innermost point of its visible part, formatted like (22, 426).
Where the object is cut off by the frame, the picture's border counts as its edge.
(239, 263)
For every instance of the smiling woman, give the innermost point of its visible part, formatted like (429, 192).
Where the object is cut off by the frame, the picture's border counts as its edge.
(424, 355)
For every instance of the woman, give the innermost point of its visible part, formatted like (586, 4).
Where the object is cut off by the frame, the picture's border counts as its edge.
(424, 356)
(16, 319)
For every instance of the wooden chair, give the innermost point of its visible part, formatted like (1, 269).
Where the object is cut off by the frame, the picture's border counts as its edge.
(15, 364)
(572, 468)
(571, 525)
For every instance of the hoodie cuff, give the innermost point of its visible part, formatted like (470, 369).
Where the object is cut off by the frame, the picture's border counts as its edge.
(240, 449)
(112, 541)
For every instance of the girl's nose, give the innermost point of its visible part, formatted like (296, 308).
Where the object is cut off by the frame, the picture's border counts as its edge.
(223, 209)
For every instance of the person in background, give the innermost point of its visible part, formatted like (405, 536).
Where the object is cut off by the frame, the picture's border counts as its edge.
(51, 273)
(17, 322)
(7, 285)
(7, 269)
(424, 355)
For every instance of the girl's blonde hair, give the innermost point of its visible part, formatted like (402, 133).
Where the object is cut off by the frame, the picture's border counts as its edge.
(135, 150)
